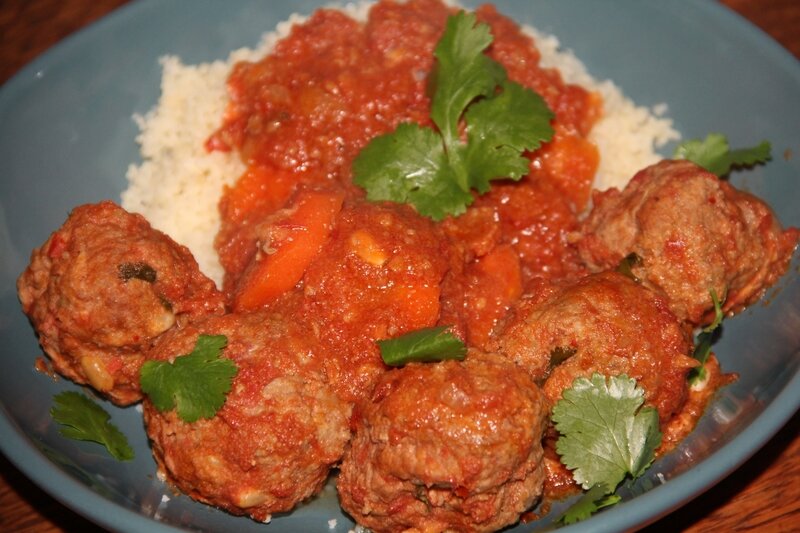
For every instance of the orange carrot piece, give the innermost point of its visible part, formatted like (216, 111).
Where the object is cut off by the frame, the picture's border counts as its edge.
(260, 190)
(295, 240)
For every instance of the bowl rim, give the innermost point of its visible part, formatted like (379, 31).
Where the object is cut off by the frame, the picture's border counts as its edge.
(23, 452)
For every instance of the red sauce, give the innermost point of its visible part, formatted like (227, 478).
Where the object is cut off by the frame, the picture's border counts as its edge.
(329, 87)
(302, 114)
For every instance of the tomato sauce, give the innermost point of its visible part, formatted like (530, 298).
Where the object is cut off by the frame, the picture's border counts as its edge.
(331, 86)
(300, 116)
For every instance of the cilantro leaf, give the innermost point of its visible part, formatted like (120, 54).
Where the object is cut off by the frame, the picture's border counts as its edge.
(84, 420)
(413, 169)
(499, 130)
(714, 154)
(463, 72)
(422, 345)
(705, 340)
(435, 170)
(605, 433)
(590, 502)
(196, 383)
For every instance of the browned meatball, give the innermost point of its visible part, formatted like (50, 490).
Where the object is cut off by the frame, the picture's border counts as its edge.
(377, 277)
(450, 446)
(604, 323)
(281, 428)
(102, 287)
(693, 233)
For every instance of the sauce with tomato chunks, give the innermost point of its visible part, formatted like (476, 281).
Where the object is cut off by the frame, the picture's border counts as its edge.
(520, 294)
(300, 116)
(297, 235)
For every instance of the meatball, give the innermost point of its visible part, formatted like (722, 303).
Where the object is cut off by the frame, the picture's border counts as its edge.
(102, 288)
(693, 233)
(449, 446)
(377, 277)
(604, 323)
(280, 429)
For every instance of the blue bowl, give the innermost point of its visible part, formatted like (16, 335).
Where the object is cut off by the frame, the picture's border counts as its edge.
(68, 138)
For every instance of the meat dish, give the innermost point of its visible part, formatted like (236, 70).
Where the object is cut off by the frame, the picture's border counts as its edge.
(590, 323)
(102, 288)
(451, 446)
(316, 275)
(281, 429)
(698, 234)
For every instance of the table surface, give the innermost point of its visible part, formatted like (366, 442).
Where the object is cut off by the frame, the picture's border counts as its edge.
(763, 494)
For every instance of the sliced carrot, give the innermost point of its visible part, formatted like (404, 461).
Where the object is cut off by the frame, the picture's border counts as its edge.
(294, 240)
(259, 191)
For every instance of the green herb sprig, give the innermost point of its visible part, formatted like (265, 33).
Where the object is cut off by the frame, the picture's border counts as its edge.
(705, 339)
(434, 169)
(83, 419)
(195, 384)
(591, 501)
(715, 155)
(605, 436)
(422, 345)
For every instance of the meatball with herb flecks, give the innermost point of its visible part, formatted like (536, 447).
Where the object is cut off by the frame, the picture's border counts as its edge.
(102, 288)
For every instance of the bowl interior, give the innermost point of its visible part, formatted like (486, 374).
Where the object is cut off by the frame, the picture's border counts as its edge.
(68, 138)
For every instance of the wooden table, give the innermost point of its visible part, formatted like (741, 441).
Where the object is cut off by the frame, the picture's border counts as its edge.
(762, 495)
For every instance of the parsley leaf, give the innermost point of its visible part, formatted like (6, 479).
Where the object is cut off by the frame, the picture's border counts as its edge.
(714, 154)
(196, 383)
(605, 433)
(590, 502)
(435, 170)
(422, 345)
(84, 420)
(705, 340)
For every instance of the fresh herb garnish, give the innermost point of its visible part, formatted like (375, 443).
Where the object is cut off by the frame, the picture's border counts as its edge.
(605, 433)
(423, 345)
(590, 502)
(435, 170)
(625, 266)
(715, 155)
(84, 420)
(705, 339)
(138, 270)
(196, 383)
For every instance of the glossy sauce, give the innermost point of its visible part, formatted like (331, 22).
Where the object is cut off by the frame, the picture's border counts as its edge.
(299, 117)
